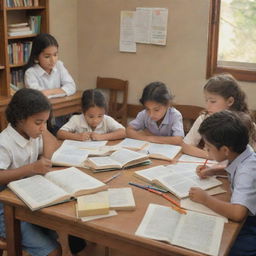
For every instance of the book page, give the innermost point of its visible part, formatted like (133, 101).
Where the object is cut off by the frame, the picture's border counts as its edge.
(104, 162)
(69, 156)
(124, 156)
(37, 192)
(193, 159)
(168, 151)
(85, 144)
(121, 199)
(197, 207)
(152, 173)
(199, 232)
(158, 223)
(73, 180)
(133, 143)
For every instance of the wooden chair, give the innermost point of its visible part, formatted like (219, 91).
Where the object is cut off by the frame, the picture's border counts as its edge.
(3, 246)
(117, 110)
(189, 113)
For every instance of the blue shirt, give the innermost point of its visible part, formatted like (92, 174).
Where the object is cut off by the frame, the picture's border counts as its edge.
(171, 125)
(242, 177)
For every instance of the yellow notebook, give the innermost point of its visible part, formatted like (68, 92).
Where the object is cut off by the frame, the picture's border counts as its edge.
(94, 204)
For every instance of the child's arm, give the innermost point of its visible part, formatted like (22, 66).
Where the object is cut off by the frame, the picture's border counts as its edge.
(50, 144)
(115, 135)
(235, 212)
(193, 150)
(49, 92)
(41, 166)
(65, 135)
(147, 136)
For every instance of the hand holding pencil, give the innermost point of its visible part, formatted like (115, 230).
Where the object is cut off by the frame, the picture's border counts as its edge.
(201, 170)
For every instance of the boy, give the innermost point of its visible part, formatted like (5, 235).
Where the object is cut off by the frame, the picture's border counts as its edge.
(226, 138)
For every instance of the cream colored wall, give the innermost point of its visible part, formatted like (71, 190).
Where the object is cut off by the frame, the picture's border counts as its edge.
(63, 26)
(181, 64)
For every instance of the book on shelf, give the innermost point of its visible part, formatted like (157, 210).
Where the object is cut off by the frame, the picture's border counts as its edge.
(177, 178)
(35, 24)
(20, 33)
(133, 144)
(122, 158)
(193, 231)
(21, 3)
(55, 187)
(163, 151)
(104, 201)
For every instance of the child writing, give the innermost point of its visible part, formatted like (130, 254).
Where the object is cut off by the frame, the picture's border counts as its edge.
(159, 122)
(92, 124)
(21, 143)
(221, 92)
(226, 138)
(44, 71)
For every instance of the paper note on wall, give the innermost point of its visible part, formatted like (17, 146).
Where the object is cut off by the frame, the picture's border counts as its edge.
(127, 32)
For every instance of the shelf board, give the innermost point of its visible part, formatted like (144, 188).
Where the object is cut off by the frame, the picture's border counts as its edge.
(25, 8)
(2, 67)
(23, 36)
(17, 65)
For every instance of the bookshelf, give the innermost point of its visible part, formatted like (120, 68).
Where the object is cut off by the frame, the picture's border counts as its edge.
(13, 12)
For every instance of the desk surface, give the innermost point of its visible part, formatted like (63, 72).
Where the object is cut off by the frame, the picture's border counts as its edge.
(117, 231)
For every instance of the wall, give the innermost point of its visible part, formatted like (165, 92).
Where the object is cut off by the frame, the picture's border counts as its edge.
(181, 64)
(63, 26)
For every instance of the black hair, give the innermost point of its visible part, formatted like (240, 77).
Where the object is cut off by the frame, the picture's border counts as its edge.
(25, 103)
(41, 42)
(226, 86)
(225, 128)
(158, 92)
(92, 98)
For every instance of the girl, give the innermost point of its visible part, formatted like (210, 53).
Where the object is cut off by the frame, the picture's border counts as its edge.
(24, 139)
(159, 122)
(92, 123)
(221, 92)
(45, 72)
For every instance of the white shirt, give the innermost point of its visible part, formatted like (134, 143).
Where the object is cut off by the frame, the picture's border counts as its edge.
(16, 151)
(37, 78)
(78, 124)
(193, 137)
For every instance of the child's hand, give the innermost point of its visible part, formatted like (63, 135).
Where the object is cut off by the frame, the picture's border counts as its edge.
(96, 136)
(201, 171)
(42, 166)
(198, 195)
(83, 136)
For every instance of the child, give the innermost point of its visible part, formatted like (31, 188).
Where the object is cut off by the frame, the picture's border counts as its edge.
(44, 71)
(24, 139)
(221, 92)
(226, 138)
(159, 122)
(92, 124)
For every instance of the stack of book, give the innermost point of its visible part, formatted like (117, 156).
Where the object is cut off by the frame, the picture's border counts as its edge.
(19, 29)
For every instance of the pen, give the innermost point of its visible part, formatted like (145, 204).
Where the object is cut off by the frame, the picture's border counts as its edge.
(111, 178)
(157, 189)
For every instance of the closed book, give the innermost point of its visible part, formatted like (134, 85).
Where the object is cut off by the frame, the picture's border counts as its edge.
(94, 204)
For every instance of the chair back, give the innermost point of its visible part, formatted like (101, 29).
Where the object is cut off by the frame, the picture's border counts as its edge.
(117, 110)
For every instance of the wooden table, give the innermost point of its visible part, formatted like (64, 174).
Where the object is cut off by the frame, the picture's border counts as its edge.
(60, 106)
(115, 232)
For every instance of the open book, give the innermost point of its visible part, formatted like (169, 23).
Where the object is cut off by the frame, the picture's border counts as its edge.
(122, 158)
(75, 153)
(133, 144)
(194, 231)
(163, 151)
(55, 187)
(177, 178)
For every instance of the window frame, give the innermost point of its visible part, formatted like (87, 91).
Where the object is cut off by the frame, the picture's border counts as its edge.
(212, 54)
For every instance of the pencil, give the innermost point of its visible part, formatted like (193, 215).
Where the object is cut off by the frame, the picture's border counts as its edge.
(205, 162)
(112, 177)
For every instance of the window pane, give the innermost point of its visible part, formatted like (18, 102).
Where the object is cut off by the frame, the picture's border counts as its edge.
(237, 33)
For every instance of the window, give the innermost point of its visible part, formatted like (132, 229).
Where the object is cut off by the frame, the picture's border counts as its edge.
(232, 39)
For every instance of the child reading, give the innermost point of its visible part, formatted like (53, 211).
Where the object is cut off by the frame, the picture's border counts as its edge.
(226, 138)
(221, 92)
(93, 123)
(46, 73)
(159, 122)
(21, 143)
